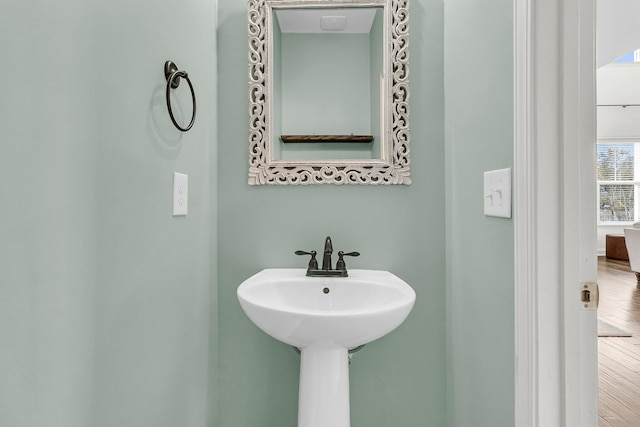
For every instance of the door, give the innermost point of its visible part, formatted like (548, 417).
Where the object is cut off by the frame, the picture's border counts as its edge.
(555, 213)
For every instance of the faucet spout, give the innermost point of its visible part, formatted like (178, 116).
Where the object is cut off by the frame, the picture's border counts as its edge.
(328, 250)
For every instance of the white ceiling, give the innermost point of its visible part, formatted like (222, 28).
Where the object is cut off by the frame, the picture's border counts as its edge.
(358, 20)
(617, 30)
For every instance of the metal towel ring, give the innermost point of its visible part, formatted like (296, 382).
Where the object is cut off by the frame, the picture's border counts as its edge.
(172, 75)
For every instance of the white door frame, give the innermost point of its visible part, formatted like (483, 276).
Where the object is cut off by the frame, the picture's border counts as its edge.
(554, 213)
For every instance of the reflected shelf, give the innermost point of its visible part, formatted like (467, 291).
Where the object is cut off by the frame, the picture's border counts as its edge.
(326, 138)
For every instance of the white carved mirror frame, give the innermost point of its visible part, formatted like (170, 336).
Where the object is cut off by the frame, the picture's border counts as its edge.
(393, 165)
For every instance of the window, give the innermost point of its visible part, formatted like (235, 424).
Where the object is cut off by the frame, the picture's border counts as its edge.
(618, 187)
(633, 56)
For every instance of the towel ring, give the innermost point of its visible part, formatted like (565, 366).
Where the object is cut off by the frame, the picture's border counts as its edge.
(173, 76)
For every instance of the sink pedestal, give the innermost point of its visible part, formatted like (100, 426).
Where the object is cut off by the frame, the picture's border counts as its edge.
(324, 317)
(323, 399)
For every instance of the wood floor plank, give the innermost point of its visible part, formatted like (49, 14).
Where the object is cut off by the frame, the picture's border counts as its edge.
(619, 358)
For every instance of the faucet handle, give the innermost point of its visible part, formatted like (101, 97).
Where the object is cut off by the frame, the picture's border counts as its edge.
(348, 253)
(341, 265)
(313, 262)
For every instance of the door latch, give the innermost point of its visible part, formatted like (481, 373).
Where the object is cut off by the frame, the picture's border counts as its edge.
(589, 295)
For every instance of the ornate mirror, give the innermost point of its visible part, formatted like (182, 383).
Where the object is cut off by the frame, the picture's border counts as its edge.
(328, 92)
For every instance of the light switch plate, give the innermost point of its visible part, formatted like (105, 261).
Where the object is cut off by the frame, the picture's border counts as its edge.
(497, 193)
(180, 194)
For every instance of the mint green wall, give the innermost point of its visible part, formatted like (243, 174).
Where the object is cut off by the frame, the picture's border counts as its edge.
(105, 298)
(398, 380)
(110, 307)
(377, 62)
(479, 137)
(276, 117)
(325, 84)
(325, 91)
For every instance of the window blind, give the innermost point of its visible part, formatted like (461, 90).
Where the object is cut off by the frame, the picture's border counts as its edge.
(615, 162)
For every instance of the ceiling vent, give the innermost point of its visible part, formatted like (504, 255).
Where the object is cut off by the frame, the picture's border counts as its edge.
(333, 23)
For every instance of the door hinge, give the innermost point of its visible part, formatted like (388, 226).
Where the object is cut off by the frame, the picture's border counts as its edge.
(589, 295)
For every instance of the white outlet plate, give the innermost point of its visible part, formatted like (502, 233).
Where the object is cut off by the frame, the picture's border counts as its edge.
(180, 194)
(497, 193)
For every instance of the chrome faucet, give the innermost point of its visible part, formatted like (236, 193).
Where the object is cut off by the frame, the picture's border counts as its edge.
(326, 270)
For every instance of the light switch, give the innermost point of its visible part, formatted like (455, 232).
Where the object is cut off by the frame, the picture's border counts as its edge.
(180, 194)
(497, 193)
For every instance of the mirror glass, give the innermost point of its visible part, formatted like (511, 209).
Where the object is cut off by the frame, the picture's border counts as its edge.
(327, 69)
(328, 92)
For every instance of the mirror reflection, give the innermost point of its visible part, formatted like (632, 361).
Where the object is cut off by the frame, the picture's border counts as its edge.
(327, 79)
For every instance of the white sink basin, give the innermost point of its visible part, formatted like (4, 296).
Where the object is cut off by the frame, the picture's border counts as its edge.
(325, 317)
(344, 311)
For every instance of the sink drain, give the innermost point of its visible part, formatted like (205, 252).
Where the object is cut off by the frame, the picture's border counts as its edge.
(325, 290)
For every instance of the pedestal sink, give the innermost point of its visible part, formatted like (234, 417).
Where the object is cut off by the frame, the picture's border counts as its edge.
(325, 317)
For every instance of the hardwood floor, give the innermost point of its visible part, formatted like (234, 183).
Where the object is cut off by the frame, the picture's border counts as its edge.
(619, 358)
